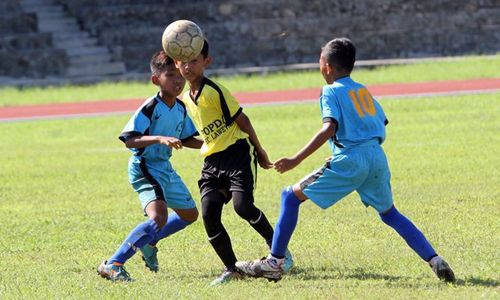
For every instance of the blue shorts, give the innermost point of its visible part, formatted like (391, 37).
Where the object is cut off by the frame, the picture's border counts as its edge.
(158, 181)
(363, 169)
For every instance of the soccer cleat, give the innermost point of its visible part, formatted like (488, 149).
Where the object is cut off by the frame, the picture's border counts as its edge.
(113, 272)
(267, 267)
(442, 269)
(150, 258)
(288, 262)
(226, 276)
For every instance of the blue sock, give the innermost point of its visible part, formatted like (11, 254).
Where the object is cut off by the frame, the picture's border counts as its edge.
(174, 224)
(138, 237)
(287, 221)
(409, 232)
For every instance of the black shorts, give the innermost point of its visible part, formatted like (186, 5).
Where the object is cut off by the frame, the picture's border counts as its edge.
(234, 170)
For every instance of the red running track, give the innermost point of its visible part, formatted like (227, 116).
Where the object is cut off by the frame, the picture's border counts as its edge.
(62, 110)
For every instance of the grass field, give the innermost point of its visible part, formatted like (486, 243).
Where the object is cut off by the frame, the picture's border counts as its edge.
(472, 67)
(66, 205)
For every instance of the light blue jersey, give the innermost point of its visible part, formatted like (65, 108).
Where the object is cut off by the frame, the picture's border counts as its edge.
(154, 117)
(358, 117)
(359, 162)
(150, 171)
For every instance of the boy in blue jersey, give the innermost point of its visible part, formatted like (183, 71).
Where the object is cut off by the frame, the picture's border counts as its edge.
(159, 125)
(354, 125)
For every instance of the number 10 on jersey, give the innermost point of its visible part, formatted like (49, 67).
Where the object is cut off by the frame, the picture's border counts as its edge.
(363, 102)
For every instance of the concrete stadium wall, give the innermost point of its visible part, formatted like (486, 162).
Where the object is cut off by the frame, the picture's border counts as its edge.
(245, 33)
(25, 52)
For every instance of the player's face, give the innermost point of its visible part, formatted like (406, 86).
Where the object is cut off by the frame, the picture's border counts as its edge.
(192, 70)
(171, 82)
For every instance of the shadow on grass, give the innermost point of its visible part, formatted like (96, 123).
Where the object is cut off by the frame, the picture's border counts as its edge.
(474, 281)
(312, 273)
(330, 273)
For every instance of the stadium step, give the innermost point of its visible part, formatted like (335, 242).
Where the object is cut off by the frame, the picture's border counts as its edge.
(75, 42)
(86, 56)
(96, 69)
(89, 59)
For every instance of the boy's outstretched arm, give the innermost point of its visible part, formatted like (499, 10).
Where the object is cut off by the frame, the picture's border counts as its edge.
(192, 142)
(287, 163)
(244, 123)
(142, 141)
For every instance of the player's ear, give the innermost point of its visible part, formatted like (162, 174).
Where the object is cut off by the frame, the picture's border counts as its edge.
(208, 60)
(155, 80)
(329, 69)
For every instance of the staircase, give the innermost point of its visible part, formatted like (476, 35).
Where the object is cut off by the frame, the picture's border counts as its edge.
(86, 57)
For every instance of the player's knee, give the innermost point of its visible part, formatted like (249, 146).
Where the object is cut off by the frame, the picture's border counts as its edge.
(244, 207)
(389, 216)
(288, 197)
(247, 211)
(209, 212)
(159, 219)
(192, 216)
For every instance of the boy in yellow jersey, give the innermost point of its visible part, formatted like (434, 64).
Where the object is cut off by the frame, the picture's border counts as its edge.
(231, 150)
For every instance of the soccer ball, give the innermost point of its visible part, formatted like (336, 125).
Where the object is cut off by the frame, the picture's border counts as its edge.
(182, 40)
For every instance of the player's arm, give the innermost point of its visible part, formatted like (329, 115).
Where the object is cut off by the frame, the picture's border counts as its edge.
(192, 142)
(141, 141)
(245, 125)
(287, 163)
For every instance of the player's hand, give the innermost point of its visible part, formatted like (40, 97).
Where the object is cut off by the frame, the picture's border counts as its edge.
(263, 160)
(171, 142)
(285, 164)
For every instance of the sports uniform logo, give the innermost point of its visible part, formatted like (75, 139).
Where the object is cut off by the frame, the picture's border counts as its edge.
(214, 130)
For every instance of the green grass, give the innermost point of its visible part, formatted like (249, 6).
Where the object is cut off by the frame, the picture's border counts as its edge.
(66, 205)
(461, 68)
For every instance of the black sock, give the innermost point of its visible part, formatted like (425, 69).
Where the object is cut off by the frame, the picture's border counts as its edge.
(222, 246)
(263, 227)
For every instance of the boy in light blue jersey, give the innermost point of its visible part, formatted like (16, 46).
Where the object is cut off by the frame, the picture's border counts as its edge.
(160, 124)
(354, 125)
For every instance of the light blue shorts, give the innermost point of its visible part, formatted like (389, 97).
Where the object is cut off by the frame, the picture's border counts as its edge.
(363, 169)
(158, 181)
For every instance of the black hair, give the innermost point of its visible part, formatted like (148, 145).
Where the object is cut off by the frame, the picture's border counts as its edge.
(159, 62)
(204, 50)
(340, 53)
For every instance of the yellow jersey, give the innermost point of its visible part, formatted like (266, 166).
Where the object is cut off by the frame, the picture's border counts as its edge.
(213, 112)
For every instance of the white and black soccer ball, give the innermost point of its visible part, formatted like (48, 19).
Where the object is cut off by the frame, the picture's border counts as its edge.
(182, 40)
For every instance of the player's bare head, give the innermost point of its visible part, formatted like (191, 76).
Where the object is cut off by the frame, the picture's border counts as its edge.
(160, 63)
(340, 53)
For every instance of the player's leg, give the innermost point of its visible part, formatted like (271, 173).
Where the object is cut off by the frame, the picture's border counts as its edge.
(141, 235)
(178, 220)
(324, 187)
(149, 191)
(376, 192)
(273, 266)
(291, 198)
(243, 203)
(179, 199)
(418, 242)
(184, 213)
(211, 209)
(155, 210)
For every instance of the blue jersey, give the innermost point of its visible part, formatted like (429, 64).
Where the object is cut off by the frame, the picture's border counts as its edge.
(154, 117)
(358, 117)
